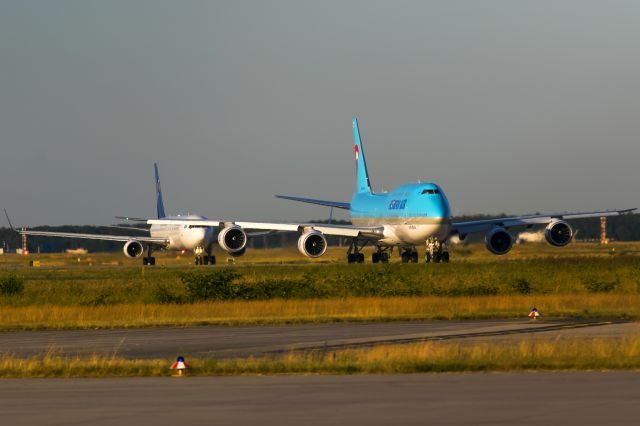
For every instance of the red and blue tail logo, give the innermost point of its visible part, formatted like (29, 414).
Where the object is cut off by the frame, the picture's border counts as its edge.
(362, 177)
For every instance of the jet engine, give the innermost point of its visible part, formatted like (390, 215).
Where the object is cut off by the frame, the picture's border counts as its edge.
(238, 253)
(233, 239)
(312, 244)
(558, 233)
(133, 248)
(498, 241)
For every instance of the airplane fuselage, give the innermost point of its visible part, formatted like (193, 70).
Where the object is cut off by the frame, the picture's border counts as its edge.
(184, 237)
(411, 214)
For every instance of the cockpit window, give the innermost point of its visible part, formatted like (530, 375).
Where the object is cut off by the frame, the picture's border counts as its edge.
(431, 191)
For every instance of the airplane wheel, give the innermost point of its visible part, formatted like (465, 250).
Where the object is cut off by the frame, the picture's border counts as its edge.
(205, 260)
(445, 257)
(414, 257)
(212, 260)
(406, 257)
(437, 257)
(384, 257)
(360, 258)
(375, 257)
(351, 258)
(427, 257)
(145, 261)
(152, 261)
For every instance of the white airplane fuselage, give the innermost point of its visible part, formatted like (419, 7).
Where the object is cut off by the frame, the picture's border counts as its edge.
(184, 237)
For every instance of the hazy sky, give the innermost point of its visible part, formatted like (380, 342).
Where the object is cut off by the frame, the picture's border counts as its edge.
(511, 106)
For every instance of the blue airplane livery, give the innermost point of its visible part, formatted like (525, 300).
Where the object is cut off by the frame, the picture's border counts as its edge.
(412, 215)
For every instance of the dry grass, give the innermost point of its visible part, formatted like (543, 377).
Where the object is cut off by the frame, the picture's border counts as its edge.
(576, 354)
(324, 310)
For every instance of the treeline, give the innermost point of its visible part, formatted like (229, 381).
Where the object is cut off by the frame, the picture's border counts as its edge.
(619, 228)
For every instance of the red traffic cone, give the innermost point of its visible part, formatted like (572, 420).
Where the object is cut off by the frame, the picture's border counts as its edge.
(534, 314)
(180, 367)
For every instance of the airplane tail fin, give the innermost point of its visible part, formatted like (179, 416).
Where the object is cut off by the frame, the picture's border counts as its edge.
(363, 184)
(160, 203)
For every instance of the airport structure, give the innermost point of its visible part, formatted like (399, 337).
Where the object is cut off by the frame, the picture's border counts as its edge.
(603, 230)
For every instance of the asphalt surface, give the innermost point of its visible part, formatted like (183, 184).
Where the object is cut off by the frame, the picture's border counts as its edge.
(480, 399)
(243, 341)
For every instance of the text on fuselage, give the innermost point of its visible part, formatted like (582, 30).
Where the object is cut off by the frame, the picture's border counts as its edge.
(397, 204)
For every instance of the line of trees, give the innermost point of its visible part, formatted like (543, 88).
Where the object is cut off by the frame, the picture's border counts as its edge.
(619, 228)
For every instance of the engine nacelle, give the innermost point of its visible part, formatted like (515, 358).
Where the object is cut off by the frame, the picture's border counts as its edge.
(133, 248)
(558, 233)
(312, 244)
(233, 239)
(238, 253)
(498, 241)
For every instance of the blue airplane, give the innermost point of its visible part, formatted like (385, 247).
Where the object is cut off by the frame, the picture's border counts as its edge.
(411, 215)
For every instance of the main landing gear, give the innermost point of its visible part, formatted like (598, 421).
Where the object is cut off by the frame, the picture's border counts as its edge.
(207, 258)
(381, 255)
(436, 251)
(353, 253)
(409, 255)
(149, 260)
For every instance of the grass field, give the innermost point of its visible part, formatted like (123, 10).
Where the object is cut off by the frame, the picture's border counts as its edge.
(108, 290)
(577, 354)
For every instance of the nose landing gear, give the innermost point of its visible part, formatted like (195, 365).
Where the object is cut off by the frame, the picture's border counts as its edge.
(207, 259)
(436, 251)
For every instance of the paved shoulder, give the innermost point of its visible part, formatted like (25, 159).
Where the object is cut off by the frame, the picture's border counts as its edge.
(489, 399)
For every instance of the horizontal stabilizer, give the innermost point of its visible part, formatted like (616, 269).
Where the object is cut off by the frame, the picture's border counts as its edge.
(336, 204)
(132, 219)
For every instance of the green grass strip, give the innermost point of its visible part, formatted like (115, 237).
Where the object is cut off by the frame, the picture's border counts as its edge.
(523, 355)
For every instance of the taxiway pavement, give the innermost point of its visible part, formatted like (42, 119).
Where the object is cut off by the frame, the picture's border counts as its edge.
(580, 398)
(243, 341)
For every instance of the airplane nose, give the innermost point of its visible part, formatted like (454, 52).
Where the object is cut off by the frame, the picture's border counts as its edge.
(444, 210)
(197, 236)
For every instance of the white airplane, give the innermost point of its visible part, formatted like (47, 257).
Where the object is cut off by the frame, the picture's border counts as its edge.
(169, 236)
(412, 214)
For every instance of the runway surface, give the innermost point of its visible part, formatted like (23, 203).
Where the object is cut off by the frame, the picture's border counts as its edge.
(243, 341)
(479, 399)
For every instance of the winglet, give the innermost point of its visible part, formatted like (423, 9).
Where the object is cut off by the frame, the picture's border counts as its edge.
(363, 184)
(160, 203)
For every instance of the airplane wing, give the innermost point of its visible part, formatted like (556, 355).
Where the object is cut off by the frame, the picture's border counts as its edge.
(336, 204)
(484, 225)
(122, 238)
(371, 232)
